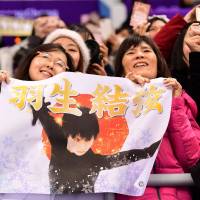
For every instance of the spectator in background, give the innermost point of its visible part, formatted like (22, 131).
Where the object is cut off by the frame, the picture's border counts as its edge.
(42, 26)
(98, 52)
(156, 22)
(186, 61)
(167, 36)
(115, 40)
(73, 44)
(152, 27)
(182, 59)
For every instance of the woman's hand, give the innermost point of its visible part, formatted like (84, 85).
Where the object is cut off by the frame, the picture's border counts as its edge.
(104, 53)
(137, 78)
(141, 29)
(96, 69)
(4, 76)
(175, 85)
(193, 43)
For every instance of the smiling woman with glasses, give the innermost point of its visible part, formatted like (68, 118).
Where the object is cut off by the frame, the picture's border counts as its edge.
(43, 62)
(54, 61)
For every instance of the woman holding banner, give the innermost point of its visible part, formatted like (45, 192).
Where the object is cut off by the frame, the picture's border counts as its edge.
(140, 60)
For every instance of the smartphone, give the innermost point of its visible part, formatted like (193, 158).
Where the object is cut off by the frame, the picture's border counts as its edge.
(198, 14)
(140, 12)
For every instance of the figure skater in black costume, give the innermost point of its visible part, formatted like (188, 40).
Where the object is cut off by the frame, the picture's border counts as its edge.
(74, 167)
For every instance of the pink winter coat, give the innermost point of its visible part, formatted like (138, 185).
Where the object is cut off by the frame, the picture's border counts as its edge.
(179, 150)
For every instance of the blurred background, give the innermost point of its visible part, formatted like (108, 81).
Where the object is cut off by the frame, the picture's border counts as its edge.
(19, 14)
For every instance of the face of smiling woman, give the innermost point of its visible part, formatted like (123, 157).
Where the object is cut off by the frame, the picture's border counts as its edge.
(71, 48)
(140, 60)
(47, 64)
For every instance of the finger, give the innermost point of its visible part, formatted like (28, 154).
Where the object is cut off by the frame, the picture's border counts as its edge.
(97, 66)
(100, 72)
(128, 74)
(171, 82)
(138, 79)
(4, 76)
(100, 69)
(7, 80)
(143, 80)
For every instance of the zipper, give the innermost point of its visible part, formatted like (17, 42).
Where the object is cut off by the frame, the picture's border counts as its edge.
(158, 193)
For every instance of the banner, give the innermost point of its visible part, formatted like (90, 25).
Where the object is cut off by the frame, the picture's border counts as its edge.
(11, 26)
(80, 133)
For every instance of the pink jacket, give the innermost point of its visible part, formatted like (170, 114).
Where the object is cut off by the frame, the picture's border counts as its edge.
(179, 150)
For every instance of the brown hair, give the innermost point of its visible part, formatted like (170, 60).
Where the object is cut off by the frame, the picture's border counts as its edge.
(22, 72)
(135, 40)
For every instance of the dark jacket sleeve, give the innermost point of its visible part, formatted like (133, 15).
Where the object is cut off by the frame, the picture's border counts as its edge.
(167, 36)
(53, 130)
(127, 157)
(194, 86)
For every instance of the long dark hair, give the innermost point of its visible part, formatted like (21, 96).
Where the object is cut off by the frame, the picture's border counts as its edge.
(178, 65)
(179, 68)
(135, 40)
(22, 72)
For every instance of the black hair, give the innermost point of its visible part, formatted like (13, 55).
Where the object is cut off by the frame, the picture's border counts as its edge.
(82, 30)
(95, 53)
(22, 72)
(135, 40)
(86, 125)
(152, 20)
(179, 67)
(178, 63)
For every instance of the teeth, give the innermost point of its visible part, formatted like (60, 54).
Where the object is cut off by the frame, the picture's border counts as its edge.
(46, 73)
(140, 65)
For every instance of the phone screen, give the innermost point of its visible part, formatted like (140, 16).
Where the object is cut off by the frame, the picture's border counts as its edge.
(198, 13)
(140, 12)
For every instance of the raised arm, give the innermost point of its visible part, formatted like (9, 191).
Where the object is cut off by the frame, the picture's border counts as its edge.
(53, 130)
(127, 157)
(167, 36)
(4, 76)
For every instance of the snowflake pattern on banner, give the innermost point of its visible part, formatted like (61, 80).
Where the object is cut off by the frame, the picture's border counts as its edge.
(144, 138)
(14, 162)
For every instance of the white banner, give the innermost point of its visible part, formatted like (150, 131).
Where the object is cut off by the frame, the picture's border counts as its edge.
(77, 133)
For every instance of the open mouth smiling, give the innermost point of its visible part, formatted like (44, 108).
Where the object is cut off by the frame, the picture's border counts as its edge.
(140, 64)
(46, 73)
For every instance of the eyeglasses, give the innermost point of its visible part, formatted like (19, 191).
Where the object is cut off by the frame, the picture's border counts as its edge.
(58, 63)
